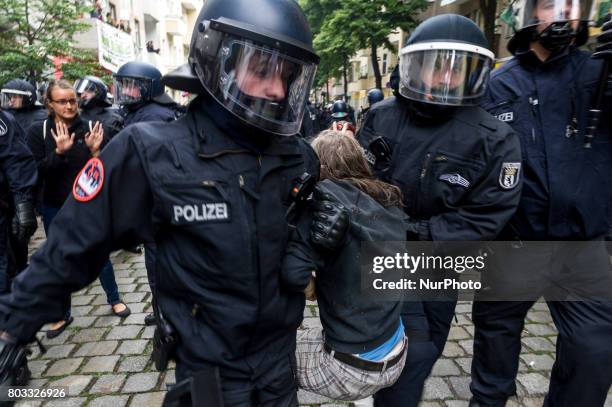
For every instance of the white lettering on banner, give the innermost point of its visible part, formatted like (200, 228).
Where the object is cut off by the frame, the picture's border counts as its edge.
(201, 213)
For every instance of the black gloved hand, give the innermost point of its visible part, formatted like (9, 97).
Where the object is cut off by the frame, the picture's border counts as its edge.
(604, 50)
(417, 229)
(24, 222)
(330, 221)
(13, 363)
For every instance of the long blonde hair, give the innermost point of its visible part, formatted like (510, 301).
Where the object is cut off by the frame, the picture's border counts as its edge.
(342, 158)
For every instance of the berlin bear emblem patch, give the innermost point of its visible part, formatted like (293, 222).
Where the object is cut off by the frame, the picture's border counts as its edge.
(3, 128)
(510, 175)
(89, 181)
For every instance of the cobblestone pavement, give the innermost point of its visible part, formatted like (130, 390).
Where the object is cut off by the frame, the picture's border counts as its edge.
(105, 360)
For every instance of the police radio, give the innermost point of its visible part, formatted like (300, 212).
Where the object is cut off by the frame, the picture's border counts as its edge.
(301, 190)
(165, 340)
(382, 151)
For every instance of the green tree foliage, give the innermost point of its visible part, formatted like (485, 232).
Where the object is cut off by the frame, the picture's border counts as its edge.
(41, 30)
(342, 28)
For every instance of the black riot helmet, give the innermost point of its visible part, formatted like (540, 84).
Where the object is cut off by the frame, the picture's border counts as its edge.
(138, 82)
(92, 92)
(255, 58)
(375, 95)
(446, 62)
(554, 23)
(340, 110)
(18, 94)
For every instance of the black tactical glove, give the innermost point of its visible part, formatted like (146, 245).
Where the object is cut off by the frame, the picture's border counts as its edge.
(24, 222)
(417, 229)
(604, 50)
(330, 222)
(13, 364)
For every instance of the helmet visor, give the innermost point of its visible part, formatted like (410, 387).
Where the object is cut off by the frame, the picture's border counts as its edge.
(444, 73)
(87, 90)
(542, 13)
(13, 99)
(261, 85)
(127, 91)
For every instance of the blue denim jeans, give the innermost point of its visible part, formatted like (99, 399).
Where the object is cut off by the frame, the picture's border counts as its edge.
(107, 274)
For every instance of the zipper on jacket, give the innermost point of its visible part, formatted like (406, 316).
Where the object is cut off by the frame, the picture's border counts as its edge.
(533, 103)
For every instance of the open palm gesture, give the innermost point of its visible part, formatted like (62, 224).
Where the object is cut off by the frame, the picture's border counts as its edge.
(63, 139)
(93, 139)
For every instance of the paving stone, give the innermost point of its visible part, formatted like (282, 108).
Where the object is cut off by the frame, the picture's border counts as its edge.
(540, 329)
(28, 403)
(436, 389)
(140, 382)
(452, 349)
(58, 340)
(37, 384)
(82, 322)
(144, 288)
(457, 403)
(107, 321)
(542, 317)
(540, 306)
(169, 378)
(81, 300)
(429, 404)
(97, 289)
(539, 344)
(134, 364)
(75, 384)
(37, 367)
(68, 402)
(89, 335)
(126, 288)
(538, 362)
(108, 384)
(124, 332)
(81, 311)
(148, 399)
(132, 347)
(100, 299)
(64, 367)
(461, 385)
(100, 364)
(469, 329)
(534, 383)
(445, 367)
(125, 280)
(103, 310)
(463, 308)
(58, 351)
(468, 346)
(97, 348)
(135, 319)
(465, 363)
(138, 307)
(121, 266)
(306, 397)
(109, 401)
(463, 320)
(133, 297)
(457, 333)
(142, 280)
(148, 332)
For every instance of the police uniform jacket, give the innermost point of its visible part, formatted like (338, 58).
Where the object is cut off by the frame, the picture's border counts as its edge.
(216, 212)
(460, 175)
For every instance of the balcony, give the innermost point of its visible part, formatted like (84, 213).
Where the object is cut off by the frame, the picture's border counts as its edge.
(191, 5)
(175, 26)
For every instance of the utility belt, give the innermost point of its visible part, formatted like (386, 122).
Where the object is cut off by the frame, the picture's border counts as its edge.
(363, 364)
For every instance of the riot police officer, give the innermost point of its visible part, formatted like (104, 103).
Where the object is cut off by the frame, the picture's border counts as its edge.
(139, 91)
(545, 92)
(449, 158)
(94, 104)
(19, 98)
(341, 111)
(374, 96)
(212, 190)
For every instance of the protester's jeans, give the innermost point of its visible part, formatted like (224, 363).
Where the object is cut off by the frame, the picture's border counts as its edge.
(107, 274)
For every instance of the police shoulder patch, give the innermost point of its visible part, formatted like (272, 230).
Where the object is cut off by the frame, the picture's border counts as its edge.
(510, 175)
(3, 128)
(89, 181)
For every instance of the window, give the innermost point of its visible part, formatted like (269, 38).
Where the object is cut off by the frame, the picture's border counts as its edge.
(385, 62)
(137, 33)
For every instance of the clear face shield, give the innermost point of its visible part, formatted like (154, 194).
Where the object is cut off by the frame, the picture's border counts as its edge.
(261, 85)
(543, 13)
(450, 74)
(127, 90)
(13, 98)
(86, 90)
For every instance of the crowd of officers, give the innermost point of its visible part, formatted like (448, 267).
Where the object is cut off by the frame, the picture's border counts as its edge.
(477, 155)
